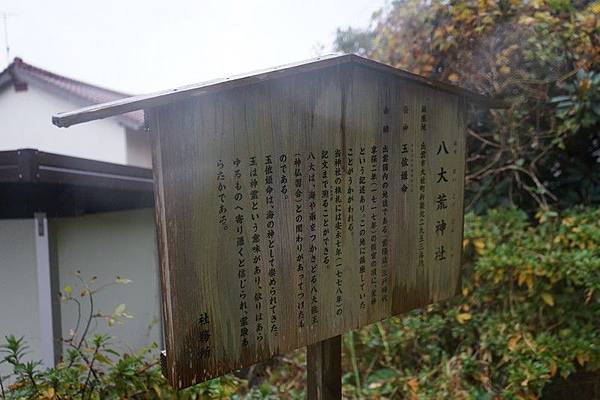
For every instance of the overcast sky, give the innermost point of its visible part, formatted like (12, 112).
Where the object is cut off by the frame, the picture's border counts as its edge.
(140, 46)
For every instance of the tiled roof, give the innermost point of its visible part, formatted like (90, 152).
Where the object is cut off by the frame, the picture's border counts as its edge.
(19, 73)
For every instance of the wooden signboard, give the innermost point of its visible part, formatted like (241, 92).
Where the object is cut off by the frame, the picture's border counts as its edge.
(296, 204)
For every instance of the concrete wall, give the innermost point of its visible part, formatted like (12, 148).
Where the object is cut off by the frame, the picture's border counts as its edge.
(18, 283)
(103, 245)
(110, 245)
(25, 118)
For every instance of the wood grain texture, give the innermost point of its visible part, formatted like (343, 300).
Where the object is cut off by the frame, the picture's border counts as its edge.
(292, 210)
(324, 370)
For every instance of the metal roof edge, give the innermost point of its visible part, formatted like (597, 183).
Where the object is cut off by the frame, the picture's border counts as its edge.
(33, 181)
(31, 165)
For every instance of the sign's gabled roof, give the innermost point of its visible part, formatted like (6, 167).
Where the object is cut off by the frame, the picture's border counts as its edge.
(168, 96)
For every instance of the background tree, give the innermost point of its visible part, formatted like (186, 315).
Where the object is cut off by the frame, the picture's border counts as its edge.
(538, 55)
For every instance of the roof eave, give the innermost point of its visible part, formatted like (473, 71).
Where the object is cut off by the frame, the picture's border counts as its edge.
(5, 79)
(121, 106)
(32, 181)
(72, 97)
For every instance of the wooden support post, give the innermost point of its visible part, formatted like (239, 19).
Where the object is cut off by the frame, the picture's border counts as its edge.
(324, 370)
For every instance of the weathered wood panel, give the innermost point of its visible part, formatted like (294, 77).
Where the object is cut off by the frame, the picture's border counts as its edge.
(292, 210)
(324, 369)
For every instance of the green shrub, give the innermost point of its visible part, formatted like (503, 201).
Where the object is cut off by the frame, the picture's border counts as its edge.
(91, 367)
(529, 313)
(97, 372)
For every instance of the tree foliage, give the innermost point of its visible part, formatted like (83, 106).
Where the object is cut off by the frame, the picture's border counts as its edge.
(526, 52)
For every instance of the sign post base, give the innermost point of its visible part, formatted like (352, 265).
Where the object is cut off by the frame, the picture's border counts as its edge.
(324, 370)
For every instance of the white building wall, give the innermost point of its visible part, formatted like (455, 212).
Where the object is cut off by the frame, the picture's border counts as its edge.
(25, 122)
(139, 150)
(18, 284)
(110, 245)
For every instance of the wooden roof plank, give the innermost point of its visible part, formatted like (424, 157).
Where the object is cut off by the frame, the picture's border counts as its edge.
(156, 99)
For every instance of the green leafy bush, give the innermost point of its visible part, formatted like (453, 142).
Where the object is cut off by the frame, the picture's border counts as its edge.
(91, 367)
(97, 372)
(579, 108)
(529, 313)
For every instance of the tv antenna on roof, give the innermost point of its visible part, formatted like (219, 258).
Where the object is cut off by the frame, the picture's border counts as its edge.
(5, 16)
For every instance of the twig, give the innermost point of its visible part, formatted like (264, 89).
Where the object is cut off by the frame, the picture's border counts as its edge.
(483, 171)
(89, 320)
(90, 369)
(30, 376)
(482, 139)
(350, 343)
(371, 365)
(84, 359)
(474, 200)
(386, 345)
(78, 315)
(2, 388)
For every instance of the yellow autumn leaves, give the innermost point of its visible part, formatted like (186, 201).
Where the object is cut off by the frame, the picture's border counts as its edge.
(478, 245)
(548, 299)
(573, 236)
(48, 394)
(463, 317)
